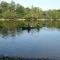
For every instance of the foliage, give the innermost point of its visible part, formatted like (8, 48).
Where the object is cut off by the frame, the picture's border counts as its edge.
(12, 10)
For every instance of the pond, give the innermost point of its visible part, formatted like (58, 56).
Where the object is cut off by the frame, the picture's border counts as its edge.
(43, 42)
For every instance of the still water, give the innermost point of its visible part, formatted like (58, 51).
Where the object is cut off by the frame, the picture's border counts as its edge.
(44, 42)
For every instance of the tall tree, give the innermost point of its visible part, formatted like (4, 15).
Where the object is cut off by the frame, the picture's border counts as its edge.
(20, 11)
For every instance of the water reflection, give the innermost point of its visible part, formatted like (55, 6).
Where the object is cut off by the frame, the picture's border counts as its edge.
(13, 32)
(42, 42)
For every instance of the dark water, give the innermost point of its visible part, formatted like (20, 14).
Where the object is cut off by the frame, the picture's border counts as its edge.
(44, 42)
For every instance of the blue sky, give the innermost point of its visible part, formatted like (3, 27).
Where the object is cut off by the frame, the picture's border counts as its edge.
(44, 4)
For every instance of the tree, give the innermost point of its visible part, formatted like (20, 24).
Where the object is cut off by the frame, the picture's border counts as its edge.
(37, 12)
(20, 11)
(9, 15)
(4, 6)
(12, 6)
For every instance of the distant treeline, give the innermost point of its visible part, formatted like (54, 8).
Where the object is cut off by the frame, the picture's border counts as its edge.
(13, 11)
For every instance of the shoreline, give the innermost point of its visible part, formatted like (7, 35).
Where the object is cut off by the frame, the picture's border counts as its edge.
(25, 58)
(25, 19)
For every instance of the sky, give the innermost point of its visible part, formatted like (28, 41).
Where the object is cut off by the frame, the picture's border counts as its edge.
(44, 4)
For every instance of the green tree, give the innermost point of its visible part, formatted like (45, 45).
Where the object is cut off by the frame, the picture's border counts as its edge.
(12, 6)
(9, 15)
(4, 6)
(20, 11)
